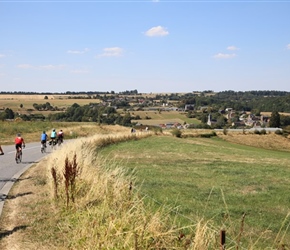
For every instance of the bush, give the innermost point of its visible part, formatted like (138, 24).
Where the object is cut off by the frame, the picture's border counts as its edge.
(263, 132)
(176, 132)
(279, 132)
(208, 135)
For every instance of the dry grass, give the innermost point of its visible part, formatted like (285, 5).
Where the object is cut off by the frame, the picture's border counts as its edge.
(106, 214)
(13, 102)
(269, 141)
(31, 131)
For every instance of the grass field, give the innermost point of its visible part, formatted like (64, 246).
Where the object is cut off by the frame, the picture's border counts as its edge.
(14, 101)
(215, 180)
(204, 185)
(163, 117)
(31, 131)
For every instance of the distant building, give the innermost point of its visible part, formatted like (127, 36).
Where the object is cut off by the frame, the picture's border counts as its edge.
(189, 107)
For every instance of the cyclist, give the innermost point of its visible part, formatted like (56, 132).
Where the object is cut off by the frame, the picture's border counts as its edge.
(19, 141)
(43, 139)
(53, 136)
(60, 136)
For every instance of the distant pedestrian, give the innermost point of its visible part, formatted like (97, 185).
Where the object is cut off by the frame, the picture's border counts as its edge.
(1, 151)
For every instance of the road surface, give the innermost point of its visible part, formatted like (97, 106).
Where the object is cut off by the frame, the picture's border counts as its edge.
(10, 171)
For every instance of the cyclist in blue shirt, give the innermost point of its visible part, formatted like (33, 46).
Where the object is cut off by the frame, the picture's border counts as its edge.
(43, 138)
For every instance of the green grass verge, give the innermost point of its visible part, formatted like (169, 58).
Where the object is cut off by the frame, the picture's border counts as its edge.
(215, 180)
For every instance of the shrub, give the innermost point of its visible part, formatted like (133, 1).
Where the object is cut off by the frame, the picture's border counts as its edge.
(279, 132)
(208, 135)
(176, 132)
(257, 132)
(263, 132)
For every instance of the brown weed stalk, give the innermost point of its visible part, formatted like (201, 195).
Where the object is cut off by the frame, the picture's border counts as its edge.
(241, 230)
(71, 171)
(55, 182)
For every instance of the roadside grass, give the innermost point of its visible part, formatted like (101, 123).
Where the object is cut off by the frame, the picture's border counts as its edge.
(215, 180)
(31, 131)
(107, 213)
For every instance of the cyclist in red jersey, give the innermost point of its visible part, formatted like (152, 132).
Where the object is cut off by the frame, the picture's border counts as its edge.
(19, 141)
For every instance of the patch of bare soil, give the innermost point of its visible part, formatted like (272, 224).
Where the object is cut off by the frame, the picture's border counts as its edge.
(16, 220)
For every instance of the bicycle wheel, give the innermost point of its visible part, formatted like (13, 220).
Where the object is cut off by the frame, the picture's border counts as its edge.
(42, 148)
(18, 157)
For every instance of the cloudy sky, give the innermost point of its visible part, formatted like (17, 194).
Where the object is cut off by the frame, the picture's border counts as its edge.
(151, 46)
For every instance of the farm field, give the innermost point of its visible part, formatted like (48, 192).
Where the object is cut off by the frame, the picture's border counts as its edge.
(156, 118)
(14, 101)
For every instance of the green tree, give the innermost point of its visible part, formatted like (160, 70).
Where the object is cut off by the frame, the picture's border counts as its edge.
(275, 120)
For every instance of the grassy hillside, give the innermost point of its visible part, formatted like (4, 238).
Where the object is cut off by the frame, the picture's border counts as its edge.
(215, 180)
(147, 191)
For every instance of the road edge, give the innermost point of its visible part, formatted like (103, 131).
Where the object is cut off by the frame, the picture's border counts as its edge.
(7, 187)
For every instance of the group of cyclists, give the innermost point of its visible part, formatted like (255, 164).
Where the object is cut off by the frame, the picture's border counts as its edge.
(54, 137)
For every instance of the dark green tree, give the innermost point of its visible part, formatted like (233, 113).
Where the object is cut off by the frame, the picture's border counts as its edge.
(275, 120)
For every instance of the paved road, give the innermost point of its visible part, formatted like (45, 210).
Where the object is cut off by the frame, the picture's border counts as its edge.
(10, 171)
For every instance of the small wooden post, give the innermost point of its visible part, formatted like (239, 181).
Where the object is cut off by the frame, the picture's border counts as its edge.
(223, 239)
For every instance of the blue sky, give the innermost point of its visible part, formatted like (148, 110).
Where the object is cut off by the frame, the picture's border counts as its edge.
(152, 46)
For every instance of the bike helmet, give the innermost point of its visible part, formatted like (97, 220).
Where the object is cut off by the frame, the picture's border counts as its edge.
(18, 134)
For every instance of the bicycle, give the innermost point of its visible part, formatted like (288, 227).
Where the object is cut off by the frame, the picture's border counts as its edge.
(52, 143)
(18, 158)
(43, 147)
(59, 141)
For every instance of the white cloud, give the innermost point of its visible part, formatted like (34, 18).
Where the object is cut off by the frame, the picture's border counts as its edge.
(114, 51)
(232, 48)
(79, 71)
(1, 55)
(157, 31)
(224, 56)
(50, 67)
(78, 51)
(25, 66)
(41, 67)
(288, 46)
